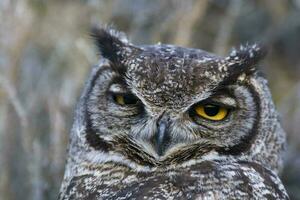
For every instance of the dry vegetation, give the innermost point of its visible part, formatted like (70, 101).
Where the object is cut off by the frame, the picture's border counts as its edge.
(45, 54)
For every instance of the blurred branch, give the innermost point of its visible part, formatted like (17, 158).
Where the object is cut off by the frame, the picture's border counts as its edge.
(297, 3)
(187, 21)
(226, 27)
(14, 99)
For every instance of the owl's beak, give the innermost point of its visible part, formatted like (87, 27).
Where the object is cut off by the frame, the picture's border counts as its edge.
(162, 137)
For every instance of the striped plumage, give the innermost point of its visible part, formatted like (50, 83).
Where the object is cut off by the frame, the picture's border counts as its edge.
(205, 180)
(152, 144)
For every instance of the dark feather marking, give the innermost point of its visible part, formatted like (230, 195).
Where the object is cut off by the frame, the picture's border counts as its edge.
(97, 143)
(246, 141)
(92, 138)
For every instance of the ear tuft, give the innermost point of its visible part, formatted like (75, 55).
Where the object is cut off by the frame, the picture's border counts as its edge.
(109, 42)
(247, 55)
(245, 58)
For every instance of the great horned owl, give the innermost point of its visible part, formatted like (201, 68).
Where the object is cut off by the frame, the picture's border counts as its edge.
(167, 122)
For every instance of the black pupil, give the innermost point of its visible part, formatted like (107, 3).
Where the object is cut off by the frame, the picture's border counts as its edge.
(130, 99)
(211, 110)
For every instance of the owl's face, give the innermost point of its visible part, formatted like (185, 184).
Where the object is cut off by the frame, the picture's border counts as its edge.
(164, 98)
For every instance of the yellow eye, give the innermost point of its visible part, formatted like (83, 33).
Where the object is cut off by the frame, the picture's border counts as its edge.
(120, 99)
(212, 112)
(125, 99)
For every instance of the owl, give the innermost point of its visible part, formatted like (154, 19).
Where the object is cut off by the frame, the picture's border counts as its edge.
(168, 122)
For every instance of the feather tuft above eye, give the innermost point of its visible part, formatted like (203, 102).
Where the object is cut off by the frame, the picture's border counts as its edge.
(114, 46)
(245, 58)
(109, 42)
(248, 54)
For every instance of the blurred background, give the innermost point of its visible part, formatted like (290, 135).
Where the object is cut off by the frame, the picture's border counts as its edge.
(46, 53)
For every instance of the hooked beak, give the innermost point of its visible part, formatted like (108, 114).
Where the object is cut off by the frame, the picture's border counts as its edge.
(162, 137)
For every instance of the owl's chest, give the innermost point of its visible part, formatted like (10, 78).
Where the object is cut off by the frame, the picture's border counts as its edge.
(125, 184)
(205, 180)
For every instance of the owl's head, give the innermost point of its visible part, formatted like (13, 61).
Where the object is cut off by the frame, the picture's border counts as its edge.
(160, 104)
